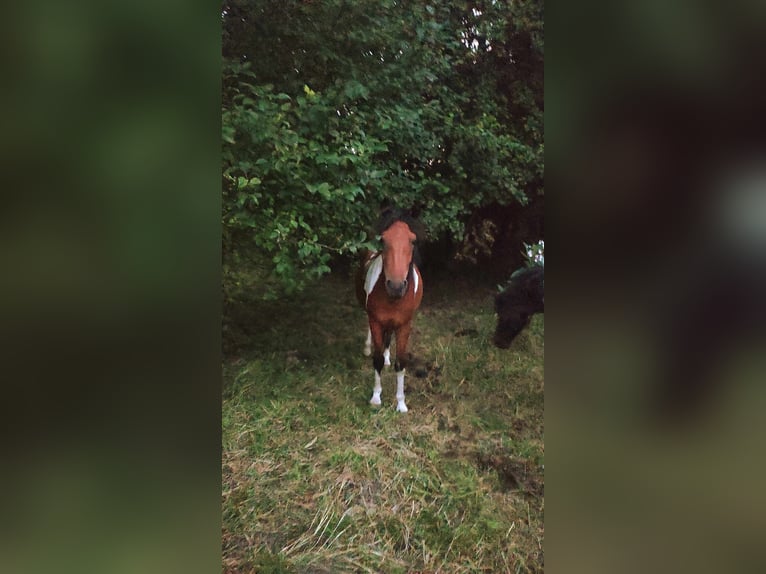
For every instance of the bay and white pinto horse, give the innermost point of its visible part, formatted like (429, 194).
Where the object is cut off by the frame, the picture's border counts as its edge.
(390, 288)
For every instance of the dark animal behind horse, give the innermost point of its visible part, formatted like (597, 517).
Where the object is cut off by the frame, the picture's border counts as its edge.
(390, 288)
(516, 305)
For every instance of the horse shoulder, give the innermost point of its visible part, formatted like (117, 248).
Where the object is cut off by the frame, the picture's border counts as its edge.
(417, 290)
(361, 277)
(417, 279)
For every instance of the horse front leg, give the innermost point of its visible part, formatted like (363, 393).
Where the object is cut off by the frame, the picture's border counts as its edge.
(368, 343)
(376, 333)
(386, 344)
(402, 360)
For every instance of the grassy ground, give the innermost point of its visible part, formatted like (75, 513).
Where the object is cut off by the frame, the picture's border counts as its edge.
(316, 480)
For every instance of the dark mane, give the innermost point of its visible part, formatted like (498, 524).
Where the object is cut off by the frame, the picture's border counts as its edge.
(391, 215)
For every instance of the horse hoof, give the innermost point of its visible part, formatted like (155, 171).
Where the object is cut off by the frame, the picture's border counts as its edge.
(401, 407)
(375, 401)
(367, 352)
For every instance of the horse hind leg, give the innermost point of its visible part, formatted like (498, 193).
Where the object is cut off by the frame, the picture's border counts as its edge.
(377, 363)
(401, 406)
(376, 390)
(368, 343)
(402, 359)
(387, 351)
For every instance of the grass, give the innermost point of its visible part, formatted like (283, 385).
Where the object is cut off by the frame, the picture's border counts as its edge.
(315, 480)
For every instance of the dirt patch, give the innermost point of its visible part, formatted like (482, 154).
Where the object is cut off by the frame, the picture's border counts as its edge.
(519, 426)
(513, 474)
(460, 447)
(426, 379)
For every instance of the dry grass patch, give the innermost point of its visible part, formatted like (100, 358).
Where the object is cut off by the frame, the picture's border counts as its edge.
(314, 480)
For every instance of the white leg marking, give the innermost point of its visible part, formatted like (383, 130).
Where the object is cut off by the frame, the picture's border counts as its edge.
(368, 343)
(400, 406)
(375, 400)
(387, 357)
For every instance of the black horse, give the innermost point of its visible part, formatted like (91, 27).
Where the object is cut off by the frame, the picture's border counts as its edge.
(515, 306)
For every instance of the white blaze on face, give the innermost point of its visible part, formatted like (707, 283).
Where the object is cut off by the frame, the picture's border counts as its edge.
(417, 277)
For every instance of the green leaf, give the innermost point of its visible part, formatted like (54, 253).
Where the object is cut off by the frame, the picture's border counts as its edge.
(228, 134)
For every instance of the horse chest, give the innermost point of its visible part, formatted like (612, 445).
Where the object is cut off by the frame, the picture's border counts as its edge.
(392, 312)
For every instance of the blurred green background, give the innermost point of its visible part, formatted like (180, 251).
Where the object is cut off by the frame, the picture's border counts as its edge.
(109, 305)
(655, 179)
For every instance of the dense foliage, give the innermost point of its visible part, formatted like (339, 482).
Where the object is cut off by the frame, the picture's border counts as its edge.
(332, 108)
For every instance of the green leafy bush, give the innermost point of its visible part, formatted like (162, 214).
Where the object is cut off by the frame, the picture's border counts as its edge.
(332, 108)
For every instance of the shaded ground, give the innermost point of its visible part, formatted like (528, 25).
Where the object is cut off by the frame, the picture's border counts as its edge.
(315, 480)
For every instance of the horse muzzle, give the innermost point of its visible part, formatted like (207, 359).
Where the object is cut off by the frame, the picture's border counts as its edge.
(396, 289)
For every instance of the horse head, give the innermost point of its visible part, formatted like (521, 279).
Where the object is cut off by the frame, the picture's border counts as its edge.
(524, 296)
(398, 250)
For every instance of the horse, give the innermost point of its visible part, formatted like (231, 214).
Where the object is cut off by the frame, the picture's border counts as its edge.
(390, 288)
(515, 305)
